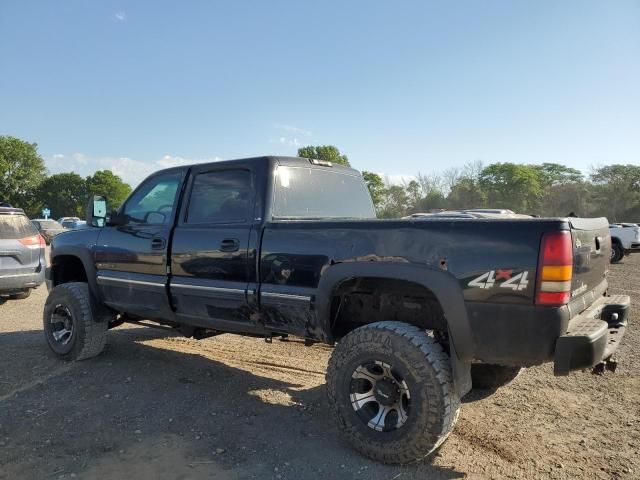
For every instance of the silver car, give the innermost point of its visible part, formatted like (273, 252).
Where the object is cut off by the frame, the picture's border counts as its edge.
(22, 254)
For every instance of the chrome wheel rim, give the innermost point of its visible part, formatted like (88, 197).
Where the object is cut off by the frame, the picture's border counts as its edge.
(380, 396)
(61, 325)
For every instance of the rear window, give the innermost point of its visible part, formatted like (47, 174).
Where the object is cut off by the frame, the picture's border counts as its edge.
(314, 193)
(48, 224)
(15, 226)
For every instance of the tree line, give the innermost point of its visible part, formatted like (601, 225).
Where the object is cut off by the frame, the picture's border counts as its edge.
(549, 189)
(25, 183)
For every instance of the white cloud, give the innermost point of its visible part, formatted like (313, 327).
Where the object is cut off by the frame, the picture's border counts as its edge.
(397, 178)
(289, 142)
(120, 16)
(293, 129)
(130, 170)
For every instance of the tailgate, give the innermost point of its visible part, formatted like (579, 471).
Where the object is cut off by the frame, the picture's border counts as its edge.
(591, 253)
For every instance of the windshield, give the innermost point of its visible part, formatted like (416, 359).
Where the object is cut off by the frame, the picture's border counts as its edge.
(314, 193)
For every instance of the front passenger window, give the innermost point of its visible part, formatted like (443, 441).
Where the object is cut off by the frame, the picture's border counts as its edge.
(153, 203)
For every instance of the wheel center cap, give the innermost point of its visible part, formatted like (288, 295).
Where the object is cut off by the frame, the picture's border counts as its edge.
(386, 392)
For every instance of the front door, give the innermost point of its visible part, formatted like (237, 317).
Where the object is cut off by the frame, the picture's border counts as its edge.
(213, 249)
(131, 258)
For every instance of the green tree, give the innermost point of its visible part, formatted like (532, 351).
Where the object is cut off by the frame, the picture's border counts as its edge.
(513, 186)
(554, 174)
(65, 194)
(104, 182)
(466, 193)
(21, 172)
(376, 186)
(324, 152)
(396, 202)
(616, 191)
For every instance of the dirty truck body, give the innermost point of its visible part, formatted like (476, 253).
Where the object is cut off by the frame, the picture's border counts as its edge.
(277, 246)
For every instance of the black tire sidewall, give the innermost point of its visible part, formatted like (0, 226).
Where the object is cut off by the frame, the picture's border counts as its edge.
(618, 253)
(417, 404)
(430, 418)
(61, 295)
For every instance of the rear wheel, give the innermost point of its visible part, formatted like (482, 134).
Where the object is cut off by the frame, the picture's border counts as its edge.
(485, 375)
(617, 253)
(391, 389)
(22, 295)
(70, 325)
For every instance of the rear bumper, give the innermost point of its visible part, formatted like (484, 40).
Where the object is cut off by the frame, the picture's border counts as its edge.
(635, 247)
(593, 336)
(10, 284)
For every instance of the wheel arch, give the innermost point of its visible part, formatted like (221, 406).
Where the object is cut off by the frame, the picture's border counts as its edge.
(442, 284)
(73, 265)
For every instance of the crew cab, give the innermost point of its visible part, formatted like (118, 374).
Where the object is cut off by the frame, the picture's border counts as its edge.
(417, 309)
(625, 239)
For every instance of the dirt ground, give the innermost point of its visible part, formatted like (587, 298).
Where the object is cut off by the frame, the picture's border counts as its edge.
(157, 406)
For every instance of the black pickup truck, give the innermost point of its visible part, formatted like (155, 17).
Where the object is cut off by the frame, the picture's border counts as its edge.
(277, 246)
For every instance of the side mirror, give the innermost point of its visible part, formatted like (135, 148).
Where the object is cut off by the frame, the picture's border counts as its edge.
(96, 211)
(114, 219)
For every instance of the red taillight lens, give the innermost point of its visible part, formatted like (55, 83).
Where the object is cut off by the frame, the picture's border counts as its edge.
(555, 269)
(35, 241)
(557, 249)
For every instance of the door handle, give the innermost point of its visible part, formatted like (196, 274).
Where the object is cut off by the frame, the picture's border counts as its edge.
(158, 243)
(230, 245)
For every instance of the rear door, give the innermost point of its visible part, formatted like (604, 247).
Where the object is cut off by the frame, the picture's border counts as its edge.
(591, 253)
(20, 250)
(213, 252)
(131, 258)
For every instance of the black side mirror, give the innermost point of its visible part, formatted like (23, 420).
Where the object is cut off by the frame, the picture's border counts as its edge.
(96, 211)
(114, 219)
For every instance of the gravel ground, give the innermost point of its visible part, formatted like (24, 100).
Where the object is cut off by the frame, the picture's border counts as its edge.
(158, 406)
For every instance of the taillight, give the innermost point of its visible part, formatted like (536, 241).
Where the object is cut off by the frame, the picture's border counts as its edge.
(555, 269)
(35, 241)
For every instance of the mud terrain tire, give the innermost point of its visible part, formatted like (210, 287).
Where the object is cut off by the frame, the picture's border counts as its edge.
(415, 360)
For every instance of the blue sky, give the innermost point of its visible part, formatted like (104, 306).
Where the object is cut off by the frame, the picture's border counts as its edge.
(399, 87)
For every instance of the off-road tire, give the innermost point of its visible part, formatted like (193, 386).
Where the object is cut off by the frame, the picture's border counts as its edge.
(488, 376)
(88, 336)
(425, 367)
(22, 295)
(617, 252)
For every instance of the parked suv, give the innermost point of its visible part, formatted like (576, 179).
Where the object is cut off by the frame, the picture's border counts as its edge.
(22, 256)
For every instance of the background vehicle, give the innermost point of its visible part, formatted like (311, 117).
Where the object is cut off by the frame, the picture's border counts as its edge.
(274, 246)
(48, 228)
(22, 261)
(470, 213)
(625, 239)
(66, 219)
(74, 224)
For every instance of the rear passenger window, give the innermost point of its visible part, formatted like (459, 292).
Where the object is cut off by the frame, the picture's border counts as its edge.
(223, 196)
(15, 226)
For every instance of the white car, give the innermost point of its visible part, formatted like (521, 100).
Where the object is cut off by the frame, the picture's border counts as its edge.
(625, 239)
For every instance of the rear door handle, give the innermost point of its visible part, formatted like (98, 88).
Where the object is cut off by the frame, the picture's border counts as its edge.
(230, 245)
(158, 243)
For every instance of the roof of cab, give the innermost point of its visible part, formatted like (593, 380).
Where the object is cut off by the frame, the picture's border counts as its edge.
(272, 159)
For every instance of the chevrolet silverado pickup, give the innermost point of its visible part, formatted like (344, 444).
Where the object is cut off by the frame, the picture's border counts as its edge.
(417, 309)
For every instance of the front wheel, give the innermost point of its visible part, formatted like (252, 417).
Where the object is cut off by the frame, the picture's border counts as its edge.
(70, 328)
(617, 253)
(390, 386)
